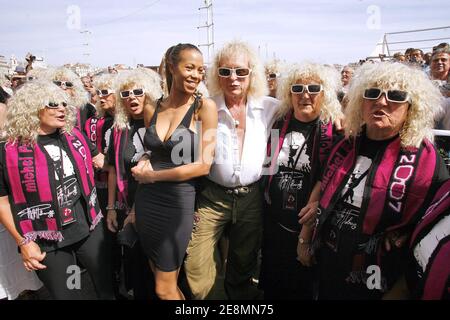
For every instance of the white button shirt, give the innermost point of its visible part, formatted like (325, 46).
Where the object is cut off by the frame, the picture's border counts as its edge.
(227, 170)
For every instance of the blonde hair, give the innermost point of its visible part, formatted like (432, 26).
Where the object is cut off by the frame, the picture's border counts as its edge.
(258, 83)
(104, 81)
(22, 117)
(425, 99)
(80, 97)
(146, 79)
(330, 109)
(275, 66)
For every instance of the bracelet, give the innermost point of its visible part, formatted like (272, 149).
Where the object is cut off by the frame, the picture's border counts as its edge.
(113, 207)
(303, 241)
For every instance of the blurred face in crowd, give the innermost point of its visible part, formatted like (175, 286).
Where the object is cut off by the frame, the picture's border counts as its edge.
(189, 71)
(134, 101)
(307, 105)
(107, 99)
(87, 83)
(234, 86)
(416, 56)
(346, 75)
(52, 117)
(66, 85)
(440, 65)
(427, 58)
(384, 119)
(272, 82)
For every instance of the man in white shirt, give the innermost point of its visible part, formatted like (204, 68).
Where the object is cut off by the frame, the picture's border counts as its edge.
(231, 199)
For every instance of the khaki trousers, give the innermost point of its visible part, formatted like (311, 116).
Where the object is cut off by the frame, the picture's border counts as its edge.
(240, 213)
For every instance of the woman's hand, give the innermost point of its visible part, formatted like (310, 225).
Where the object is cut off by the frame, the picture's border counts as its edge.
(395, 239)
(143, 171)
(339, 124)
(308, 213)
(111, 220)
(131, 218)
(32, 256)
(98, 161)
(304, 254)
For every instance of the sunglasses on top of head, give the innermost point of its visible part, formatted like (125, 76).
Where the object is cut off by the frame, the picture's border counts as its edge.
(239, 72)
(104, 92)
(310, 88)
(397, 96)
(67, 84)
(55, 105)
(136, 92)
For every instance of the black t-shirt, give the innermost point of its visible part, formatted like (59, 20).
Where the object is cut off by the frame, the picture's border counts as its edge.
(341, 235)
(69, 192)
(133, 151)
(291, 185)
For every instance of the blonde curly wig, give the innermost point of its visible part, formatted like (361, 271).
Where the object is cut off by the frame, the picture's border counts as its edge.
(146, 79)
(258, 83)
(330, 108)
(104, 81)
(22, 117)
(80, 97)
(425, 99)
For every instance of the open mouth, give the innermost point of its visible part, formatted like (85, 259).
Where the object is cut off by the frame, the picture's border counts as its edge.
(379, 113)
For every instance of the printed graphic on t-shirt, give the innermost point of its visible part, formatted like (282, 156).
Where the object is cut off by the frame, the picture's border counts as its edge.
(354, 189)
(346, 213)
(290, 151)
(107, 140)
(138, 144)
(68, 192)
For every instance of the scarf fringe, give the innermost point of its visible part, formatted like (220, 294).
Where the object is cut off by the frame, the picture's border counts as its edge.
(96, 220)
(47, 235)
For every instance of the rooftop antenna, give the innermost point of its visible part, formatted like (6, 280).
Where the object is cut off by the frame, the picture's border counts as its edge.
(209, 25)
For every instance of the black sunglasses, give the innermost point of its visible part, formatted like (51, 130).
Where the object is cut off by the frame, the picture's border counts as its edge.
(67, 84)
(272, 76)
(397, 96)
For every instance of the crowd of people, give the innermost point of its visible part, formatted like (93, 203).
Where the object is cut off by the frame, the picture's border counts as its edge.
(234, 181)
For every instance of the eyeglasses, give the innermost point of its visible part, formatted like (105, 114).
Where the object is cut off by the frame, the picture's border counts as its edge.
(397, 96)
(55, 105)
(239, 72)
(310, 88)
(104, 92)
(272, 76)
(67, 84)
(136, 92)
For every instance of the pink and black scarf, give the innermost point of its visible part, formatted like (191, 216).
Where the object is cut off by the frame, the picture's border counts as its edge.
(33, 187)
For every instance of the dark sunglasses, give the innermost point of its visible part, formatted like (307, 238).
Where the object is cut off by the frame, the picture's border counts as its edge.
(310, 88)
(397, 96)
(272, 76)
(55, 105)
(136, 92)
(67, 84)
(104, 92)
(240, 72)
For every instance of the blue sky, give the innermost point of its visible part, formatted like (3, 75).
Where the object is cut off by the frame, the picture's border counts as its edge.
(140, 31)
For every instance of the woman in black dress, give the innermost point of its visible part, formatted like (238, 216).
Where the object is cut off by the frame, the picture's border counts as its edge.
(165, 199)
(134, 89)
